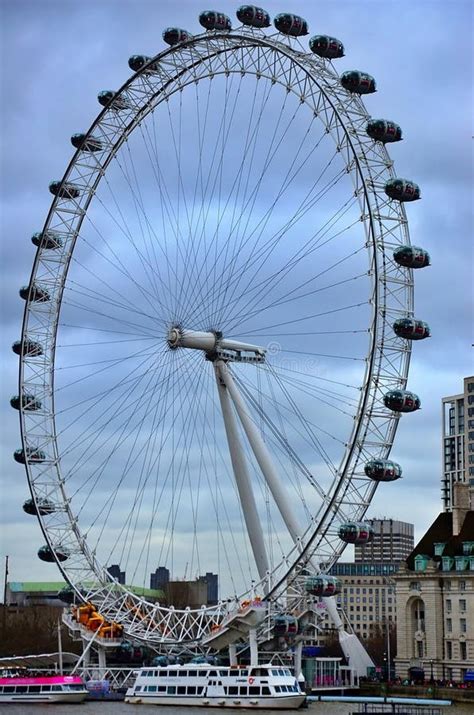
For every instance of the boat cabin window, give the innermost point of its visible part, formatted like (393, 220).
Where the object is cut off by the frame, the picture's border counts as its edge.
(254, 690)
(181, 690)
(265, 690)
(191, 690)
(171, 690)
(34, 689)
(172, 674)
(21, 688)
(212, 673)
(193, 673)
(234, 672)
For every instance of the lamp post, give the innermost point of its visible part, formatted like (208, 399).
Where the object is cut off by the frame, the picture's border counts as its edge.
(431, 671)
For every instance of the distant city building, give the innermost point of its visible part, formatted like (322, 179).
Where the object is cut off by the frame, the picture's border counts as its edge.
(47, 593)
(393, 541)
(458, 443)
(212, 581)
(160, 579)
(368, 591)
(115, 572)
(368, 596)
(435, 597)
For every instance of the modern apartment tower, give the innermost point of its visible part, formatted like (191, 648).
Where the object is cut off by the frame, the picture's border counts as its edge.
(458, 443)
(393, 542)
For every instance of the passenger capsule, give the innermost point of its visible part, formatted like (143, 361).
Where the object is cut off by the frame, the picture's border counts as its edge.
(45, 553)
(411, 329)
(402, 190)
(327, 47)
(289, 24)
(64, 189)
(108, 97)
(174, 35)
(212, 20)
(356, 532)
(82, 141)
(46, 239)
(30, 348)
(34, 293)
(323, 585)
(383, 470)
(285, 626)
(402, 401)
(411, 257)
(31, 455)
(26, 402)
(382, 130)
(136, 62)
(357, 82)
(42, 506)
(253, 16)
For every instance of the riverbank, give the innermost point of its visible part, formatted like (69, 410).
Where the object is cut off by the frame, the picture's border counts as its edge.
(458, 695)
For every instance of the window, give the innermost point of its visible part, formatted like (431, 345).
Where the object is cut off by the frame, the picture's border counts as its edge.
(181, 690)
(254, 690)
(462, 585)
(171, 690)
(447, 585)
(463, 650)
(448, 605)
(462, 605)
(462, 625)
(449, 625)
(233, 690)
(449, 650)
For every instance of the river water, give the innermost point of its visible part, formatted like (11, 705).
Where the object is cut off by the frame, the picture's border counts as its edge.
(120, 708)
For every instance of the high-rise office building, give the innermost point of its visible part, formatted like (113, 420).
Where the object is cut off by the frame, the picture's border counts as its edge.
(393, 541)
(160, 579)
(116, 573)
(458, 443)
(212, 581)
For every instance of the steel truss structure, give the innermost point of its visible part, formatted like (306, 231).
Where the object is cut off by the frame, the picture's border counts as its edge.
(314, 83)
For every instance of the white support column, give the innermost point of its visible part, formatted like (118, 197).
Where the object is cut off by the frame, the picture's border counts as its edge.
(232, 655)
(262, 456)
(253, 646)
(102, 662)
(297, 659)
(242, 477)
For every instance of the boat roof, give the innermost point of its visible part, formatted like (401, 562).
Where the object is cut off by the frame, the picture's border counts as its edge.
(44, 660)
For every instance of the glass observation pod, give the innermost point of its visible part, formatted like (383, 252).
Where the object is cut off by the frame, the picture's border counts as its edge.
(411, 257)
(402, 401)
(285, 626)
(289, 24)
(253, 16)
(382, 130)
(45, 553)
(82, 141)
(402, 190)
(357, 82)
(327, 47)
(46, 239)
(108, 98)
(31, 455)
(43, 506)
(411, 329)
(174, 35)
(26, 402)
(64, 190)
(356, 532)
(30, 348)
(136, 62)
(34, 293)
(212, 20)
(383, 470)
(323, 585)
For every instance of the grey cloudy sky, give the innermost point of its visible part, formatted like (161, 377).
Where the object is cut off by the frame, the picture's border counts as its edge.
(56, 57)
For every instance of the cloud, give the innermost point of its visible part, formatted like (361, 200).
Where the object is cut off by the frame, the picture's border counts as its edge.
(63, 55)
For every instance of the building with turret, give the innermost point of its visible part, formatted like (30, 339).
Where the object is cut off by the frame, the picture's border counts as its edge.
(435, 597)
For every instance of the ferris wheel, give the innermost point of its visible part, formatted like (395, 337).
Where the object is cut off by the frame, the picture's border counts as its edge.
(218, 325)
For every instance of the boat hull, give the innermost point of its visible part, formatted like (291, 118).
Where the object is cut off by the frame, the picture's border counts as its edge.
(77, 697)
(282, 702)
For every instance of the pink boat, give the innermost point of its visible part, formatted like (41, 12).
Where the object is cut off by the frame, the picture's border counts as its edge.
(45, 689)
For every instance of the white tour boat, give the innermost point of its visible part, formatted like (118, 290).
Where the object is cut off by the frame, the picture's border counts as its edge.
(45, 689)
(262, 686)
